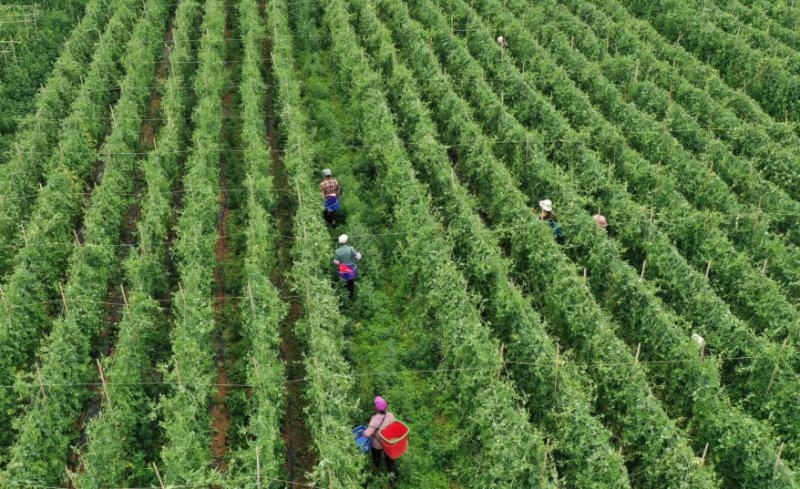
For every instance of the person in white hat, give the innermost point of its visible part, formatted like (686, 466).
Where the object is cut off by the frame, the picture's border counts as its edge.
(547, 210)
(345, 255)
(502, 42)
(330, 190)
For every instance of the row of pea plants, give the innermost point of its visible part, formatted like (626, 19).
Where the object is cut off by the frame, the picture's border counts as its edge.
(581, 445)
(771, 157)
(38, 133)
(780, 11)
(698, 139)
(264, 310)
(587, 173)
(746, 33)
(432, 278)
(460, 116)
(765, 29)
(755, 297)
(121, 435)
(47, 429)
(330, 385)
(39, 266)
(618, 286)
(767, 78)
(648, 136)
(694, 70)
(186, 452)
(750, 294)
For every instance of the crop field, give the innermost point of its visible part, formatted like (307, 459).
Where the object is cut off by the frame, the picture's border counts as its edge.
(171, 316)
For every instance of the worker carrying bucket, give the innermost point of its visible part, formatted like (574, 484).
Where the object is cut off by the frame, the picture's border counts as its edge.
(330, 194)
(345, 258)
(389, 438)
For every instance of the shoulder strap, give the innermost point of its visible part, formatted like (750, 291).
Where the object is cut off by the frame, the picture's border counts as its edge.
(378, 429)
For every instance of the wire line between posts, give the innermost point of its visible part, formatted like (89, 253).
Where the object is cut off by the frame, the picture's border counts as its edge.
(490, 370)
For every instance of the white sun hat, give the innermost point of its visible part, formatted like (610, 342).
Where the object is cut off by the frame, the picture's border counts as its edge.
(343, 239)
(546, 205)
(327, 172)
(500, 39)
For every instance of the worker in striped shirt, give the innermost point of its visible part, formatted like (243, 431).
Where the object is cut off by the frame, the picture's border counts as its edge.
(330, 195)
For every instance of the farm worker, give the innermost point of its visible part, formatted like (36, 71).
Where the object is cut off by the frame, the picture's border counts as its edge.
(547, 210)
(548, 215)
(330, 195)
(701, 344)
(502, 42)
(346, 256)
(601, 221)
(380, 420)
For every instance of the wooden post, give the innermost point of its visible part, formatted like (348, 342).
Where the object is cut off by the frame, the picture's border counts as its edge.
(105, 387)
(258, 467)
(160, 481)
(644, 265)
(636, 72)
(330, 478)
(177, 370)
(63, 298)
(778, 458)
(3, 296)
(316, 368)
(584, 276)
(555, 385)
(124, 297)
(669, 101)
(703, 458)
(546, 453)
(500, 365)
(252, 301)
(24, 234)
(777, 364)
(71, 480)
(41, 384)
(758, 215)
(636, 358)
(452, 178)
(708, 268)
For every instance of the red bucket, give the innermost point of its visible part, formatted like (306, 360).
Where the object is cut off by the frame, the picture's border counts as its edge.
(394, 439)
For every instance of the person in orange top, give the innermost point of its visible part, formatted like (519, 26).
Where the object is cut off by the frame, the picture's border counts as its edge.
(379, 421)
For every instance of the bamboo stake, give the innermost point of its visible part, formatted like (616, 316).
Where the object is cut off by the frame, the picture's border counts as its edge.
(584, 276)
(24, 234)
(708, 268)
(555, 389)
(452, 178)
(63, 298)
(105, 387)
(620, 451)
(124, 297)
(252, 301)
(69, 475)
(500, 365)
(160, 481)
(778, 458)
(777, 364)
(41, 384)
(3, 295)
(636, 72)
(764, 268)
(177, 370)
(330, 478)
(258, 467)
(758, 215)
(308, 298)
(636, 359)
(705, 452)
(183, 294)
(644, 265)
(546, 453)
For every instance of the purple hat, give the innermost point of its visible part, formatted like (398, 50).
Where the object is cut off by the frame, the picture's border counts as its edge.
(380, 403)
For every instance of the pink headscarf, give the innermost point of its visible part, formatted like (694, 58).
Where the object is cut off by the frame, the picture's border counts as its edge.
(380, 403)
(601, 220)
